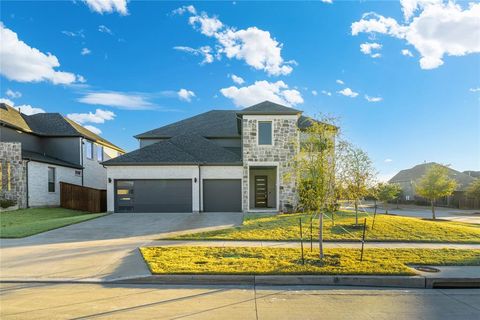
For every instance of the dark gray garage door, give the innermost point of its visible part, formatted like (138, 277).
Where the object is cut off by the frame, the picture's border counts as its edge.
(153, 195)
(222, 195)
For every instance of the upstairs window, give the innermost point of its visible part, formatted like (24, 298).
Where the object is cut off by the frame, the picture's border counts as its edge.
(99, 153)
(51, 179)
(89, 149)
(265, 133)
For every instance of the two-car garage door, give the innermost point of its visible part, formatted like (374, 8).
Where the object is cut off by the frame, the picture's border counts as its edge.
(175, 195)
(166, 195)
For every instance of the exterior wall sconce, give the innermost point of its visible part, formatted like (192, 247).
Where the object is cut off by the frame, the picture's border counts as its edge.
(109, 180)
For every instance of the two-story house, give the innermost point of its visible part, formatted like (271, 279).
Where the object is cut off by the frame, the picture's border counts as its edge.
(221, 160)
(39, 151)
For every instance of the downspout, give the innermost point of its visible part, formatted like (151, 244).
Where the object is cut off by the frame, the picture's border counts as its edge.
(81, 157)
(26, 184)
(199, 189)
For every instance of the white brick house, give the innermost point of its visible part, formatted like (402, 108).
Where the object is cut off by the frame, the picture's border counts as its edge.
(221, 160)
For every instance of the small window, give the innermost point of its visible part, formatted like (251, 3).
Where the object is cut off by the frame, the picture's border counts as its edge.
(89, 149)
(99, 153)
(265, 133)
(78, 173)
(51, 179)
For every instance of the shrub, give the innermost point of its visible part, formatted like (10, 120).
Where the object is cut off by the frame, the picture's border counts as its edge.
(6, 203)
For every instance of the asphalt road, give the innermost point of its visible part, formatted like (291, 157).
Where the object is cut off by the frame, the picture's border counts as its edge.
(108, 301)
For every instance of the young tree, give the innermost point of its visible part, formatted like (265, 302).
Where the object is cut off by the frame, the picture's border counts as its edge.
(473, 190)
(356, 173)
(314, 170)
(388, 192)
(435, 184)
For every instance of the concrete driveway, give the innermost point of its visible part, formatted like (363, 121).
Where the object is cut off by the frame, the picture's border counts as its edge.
(100, 249)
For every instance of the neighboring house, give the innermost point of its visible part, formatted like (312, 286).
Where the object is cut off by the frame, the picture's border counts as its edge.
(473, 174)
(409, 177)
(39, 151)
(220, 160)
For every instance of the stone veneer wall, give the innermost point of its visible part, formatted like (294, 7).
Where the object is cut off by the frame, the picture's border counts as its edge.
(11, 153)
(283, 151)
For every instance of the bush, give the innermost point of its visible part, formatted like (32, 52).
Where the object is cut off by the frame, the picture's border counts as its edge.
(6, 203)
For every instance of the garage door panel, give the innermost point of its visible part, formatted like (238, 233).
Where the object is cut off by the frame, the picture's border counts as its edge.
(161, 196)
(222, 195)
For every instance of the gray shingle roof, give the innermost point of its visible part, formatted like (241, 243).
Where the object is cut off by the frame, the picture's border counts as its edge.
(416, 172)
(50, 124)
(211, 124)
(39, 157)
(268, 107)
(183, 149)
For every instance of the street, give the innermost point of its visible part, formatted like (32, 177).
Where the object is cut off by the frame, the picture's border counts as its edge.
(114, 301)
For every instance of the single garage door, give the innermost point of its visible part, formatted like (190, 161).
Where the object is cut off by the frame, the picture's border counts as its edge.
(153, 195)
(222, 195)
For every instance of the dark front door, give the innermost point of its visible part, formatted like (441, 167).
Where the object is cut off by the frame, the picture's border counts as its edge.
(261, 189)
(222, 195)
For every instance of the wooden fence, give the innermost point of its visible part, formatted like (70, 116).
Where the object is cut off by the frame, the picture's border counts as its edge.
(82, 198)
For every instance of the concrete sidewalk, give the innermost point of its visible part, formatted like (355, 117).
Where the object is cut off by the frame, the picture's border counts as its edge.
(296, 244)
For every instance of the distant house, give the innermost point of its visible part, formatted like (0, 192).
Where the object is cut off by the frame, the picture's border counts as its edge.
(39, 151)
(408, 178)
(473, 174)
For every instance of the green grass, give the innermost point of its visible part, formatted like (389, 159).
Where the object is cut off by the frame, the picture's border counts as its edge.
(387, 228)
(27, 222)
(240, 260)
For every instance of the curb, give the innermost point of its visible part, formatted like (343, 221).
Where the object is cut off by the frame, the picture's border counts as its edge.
(418, 282)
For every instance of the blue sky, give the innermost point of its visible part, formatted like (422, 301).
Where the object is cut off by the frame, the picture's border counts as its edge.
(410, 94)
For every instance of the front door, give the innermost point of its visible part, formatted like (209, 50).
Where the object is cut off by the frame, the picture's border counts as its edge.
(261, 198)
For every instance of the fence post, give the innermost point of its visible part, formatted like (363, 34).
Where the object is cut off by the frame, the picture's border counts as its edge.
(301, 238)
(311, 233)
(363, 237)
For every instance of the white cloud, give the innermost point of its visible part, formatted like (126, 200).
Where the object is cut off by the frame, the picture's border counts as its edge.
(117, 99)
(314, 92)
(407, 53)
(24, 108)
(100, 116)
(185, 95)
(437, 29)
(348, 93)
(108, 6)
(327, 1)
(85, 51)
(237, 79)
(368, 47)
(191, 9)
(13, 94)
(340, 82)
(373, 99)
(78, 33)
(327, 93)
(277, 92)
(474, 89)
(104, 29)
(93, 129)
(81, 79)
(207, 25)
(388, 160)
(254, 46)
(22, 63)
(205, 52)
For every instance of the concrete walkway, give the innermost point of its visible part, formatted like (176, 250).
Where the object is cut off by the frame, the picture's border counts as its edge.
(294, 244)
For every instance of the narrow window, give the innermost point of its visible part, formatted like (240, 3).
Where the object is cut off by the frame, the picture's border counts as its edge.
(99, 153)
(51, 179)
(265, 133)
(89, 149)
(9, 180)
(1, 177)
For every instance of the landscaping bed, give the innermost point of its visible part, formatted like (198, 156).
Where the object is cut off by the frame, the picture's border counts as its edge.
(27, 222)
(285, 227)
(283, 261)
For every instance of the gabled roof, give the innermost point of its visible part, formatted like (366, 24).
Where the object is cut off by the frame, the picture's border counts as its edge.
(180, 150)
(211, 124)
(48, 125)
(269, 108)
(415, 173)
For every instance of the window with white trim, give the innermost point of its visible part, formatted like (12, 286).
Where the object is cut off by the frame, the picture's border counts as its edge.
(265, 133)
(89, 149)
(51, 179)
(99, 153)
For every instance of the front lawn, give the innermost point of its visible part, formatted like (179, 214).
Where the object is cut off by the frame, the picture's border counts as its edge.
(27, 222)
(240, 260)
(387, 228)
